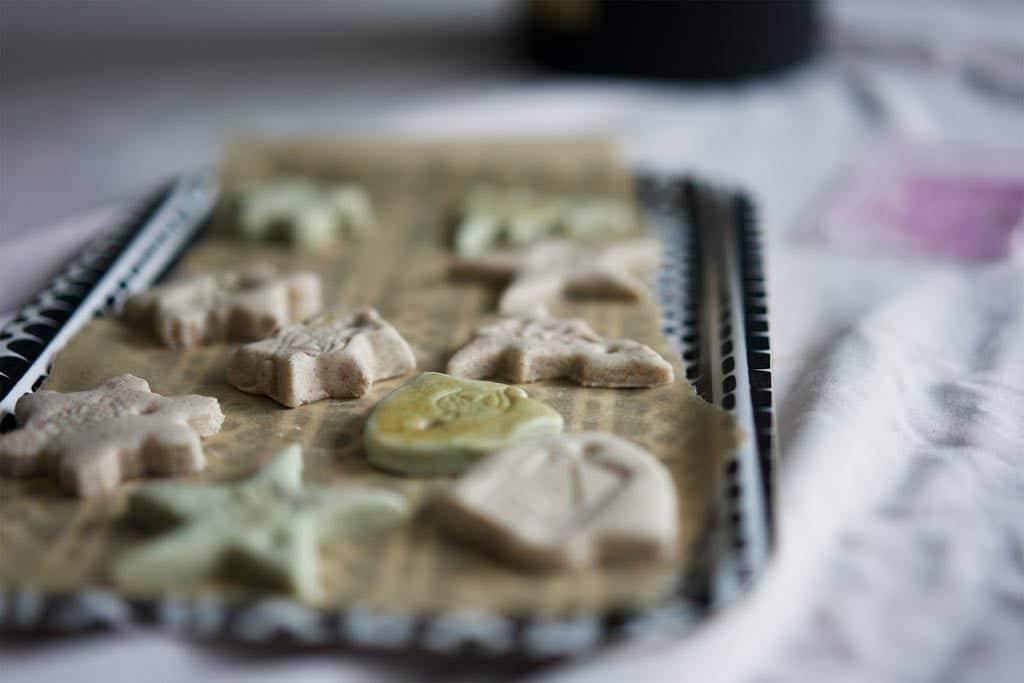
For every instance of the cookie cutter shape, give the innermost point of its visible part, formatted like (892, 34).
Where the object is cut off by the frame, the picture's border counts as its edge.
(566, 502)
(323, 358)
(438, 424)
(302, 213)
(92, 440)
(530, 349)
(542, 271)
(515, 216)
(263, 531)
(247, 303)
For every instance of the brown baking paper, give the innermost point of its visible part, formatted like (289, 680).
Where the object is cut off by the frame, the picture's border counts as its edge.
(56, 543)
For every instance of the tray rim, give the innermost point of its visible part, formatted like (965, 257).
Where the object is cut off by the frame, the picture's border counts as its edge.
(142, 249)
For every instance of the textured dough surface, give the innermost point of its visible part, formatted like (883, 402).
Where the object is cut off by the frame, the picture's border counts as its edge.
(439, 424)
(230, 304)
(566, 502)
(90, 441)
(324, 358)
(530, 349)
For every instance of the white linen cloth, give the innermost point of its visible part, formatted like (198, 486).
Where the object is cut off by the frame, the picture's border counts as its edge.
(900, 396)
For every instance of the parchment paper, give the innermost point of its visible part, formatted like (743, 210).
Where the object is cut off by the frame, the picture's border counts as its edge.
(57, 543)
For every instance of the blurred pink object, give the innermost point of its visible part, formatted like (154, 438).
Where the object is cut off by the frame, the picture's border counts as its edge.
(962, 203)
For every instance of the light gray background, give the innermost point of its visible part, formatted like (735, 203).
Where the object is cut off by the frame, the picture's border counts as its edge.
(102, 98)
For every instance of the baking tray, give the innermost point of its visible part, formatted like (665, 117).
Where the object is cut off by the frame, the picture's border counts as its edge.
(711, 287)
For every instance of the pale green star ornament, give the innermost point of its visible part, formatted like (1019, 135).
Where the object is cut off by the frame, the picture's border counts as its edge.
(262, 531)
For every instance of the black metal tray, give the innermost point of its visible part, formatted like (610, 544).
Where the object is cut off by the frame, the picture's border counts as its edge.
(712, 290)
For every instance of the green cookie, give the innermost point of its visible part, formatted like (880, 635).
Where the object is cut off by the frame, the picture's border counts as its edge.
(264, 530)
(497, 218)
(439, 424)
(302, 213)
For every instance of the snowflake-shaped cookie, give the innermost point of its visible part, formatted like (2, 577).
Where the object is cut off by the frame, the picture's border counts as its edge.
(92, 440)
(324, 358)
(247, 303)
(530, 349)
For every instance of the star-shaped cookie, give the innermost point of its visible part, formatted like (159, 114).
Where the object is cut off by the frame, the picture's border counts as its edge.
(92, 440)
(540, 272)
(324, 358)
(247, 303)
(302, 213)
(263, 531)
(530, 349)
(566, 502)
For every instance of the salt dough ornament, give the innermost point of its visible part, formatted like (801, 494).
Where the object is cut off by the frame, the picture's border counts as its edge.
(437, 424)
(566, 502)
(302, 213)
(516, 216)
(546, 269)
(492, 216)
(324, 358)
(593, 217)
(92, 440)
(246, 303)
(263, 531)
(531, 349)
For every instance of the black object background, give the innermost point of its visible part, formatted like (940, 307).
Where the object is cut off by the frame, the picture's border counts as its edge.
(672, 39)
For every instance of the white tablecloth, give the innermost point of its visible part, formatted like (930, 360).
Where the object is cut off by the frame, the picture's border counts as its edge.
(900, 389)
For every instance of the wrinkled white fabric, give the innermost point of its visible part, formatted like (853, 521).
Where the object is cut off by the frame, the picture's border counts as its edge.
(902, 525)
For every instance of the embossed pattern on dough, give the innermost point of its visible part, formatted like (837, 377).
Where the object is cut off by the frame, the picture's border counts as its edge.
(566, 502)
(92, 440)
(246, 303)
(531, 349)
(323, 358)
(438, 424)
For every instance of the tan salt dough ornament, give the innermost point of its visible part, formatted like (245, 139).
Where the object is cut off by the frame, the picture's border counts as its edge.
(323, 358)
(531, 349)
(302, 213)
(438, 424)
(92, 440)
(541, 272)
(246, 303)
(566, 502)
(262, 531)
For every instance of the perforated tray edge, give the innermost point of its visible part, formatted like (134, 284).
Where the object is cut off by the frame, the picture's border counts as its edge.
(711, 288)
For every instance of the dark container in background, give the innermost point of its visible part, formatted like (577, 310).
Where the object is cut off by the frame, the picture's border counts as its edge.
(673, 39)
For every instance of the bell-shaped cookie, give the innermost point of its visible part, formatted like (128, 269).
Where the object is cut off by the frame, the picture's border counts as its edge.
(438, 424)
